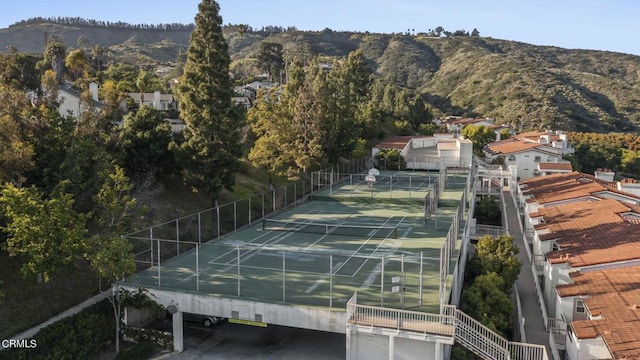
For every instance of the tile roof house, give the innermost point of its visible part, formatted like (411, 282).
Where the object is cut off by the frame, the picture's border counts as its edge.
(575, 222)
(605, 306)
(527, 150)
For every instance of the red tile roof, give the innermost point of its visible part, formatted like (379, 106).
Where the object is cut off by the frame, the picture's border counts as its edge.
(590, 232)
(397, 142)
(613, 294)
(565, 166)
(514, 145)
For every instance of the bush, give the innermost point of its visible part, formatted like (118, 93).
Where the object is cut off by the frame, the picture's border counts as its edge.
(390, 159)
(81, 336)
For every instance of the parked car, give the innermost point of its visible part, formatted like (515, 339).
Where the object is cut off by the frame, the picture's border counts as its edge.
(205, 320)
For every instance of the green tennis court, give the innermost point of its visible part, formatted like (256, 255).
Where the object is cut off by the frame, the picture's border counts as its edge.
(319, 252)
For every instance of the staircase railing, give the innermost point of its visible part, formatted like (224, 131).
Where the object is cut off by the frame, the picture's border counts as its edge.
(487, 344)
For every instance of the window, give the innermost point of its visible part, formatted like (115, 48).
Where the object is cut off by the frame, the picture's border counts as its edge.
(554, 247)
(580, 307)
(536, 159)
(550, 159)
(512, 158)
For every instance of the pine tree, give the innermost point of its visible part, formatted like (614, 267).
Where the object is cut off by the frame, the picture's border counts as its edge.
(211, 147)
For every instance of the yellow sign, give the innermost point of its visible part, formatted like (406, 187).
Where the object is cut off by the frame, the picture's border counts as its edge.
(248, 322)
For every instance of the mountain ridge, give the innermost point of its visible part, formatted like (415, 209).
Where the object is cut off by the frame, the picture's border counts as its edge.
(523, 85)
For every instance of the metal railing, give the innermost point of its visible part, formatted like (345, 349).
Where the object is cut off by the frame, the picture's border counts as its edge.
(467, 331)
(401, 320)
(489, 345)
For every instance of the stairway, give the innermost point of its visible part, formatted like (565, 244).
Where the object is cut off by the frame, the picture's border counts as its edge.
(488, 345)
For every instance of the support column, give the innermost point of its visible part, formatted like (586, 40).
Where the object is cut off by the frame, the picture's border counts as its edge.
(392, 345)
(178, 332)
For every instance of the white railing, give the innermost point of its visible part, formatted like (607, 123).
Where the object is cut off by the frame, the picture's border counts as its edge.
(489, 345)
(481, 230)
(524, 351)
(479, 339)
(558, 332)
(555, 353)
(401, 320)
(451, 322)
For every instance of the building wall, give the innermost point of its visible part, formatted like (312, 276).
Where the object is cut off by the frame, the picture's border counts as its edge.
(586, 349)
(554, 274)
(322, 319)
(526, 162)
(363, 346)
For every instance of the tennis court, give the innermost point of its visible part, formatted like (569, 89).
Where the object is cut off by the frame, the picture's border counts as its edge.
(321, 251)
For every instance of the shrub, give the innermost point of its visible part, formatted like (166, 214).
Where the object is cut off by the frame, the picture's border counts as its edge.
(81, 336)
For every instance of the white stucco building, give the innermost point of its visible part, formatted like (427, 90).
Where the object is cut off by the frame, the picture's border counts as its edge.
(531, 152)
(579, 228)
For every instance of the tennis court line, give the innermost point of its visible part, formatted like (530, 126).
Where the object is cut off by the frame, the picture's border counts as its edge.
(403, 236)
(318, 282)
(366, 241)
(203, 270)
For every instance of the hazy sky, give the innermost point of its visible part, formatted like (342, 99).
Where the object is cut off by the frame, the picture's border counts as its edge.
(612, 25)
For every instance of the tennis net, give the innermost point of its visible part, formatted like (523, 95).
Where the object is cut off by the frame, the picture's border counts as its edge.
(367, 231)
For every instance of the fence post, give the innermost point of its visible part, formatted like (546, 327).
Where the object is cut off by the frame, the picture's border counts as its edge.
(330, 280)
(284, 285)
(238, 265)
(199, 229)
(420, 279)
(218, 219)
(235, 216)
(177, 237)
(382, 282)
(151, 243)
(197, 270)
(158, 262)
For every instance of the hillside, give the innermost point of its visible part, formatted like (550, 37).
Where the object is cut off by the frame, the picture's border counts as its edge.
(527, 86)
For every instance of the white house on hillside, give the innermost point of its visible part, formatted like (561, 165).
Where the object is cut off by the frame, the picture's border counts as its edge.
(156, 100)
(528, 150)
(69, 99)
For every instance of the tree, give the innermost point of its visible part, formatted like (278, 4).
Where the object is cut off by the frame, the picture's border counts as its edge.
(111, 254)
(143, 83)
(427, 129)
(145, 138)
(55, 54)
(113, 260)
(498, 255)
(242, 30)
(479, 136)
(486, 302)
(270, 58)
(211, 148)
(475, 32)
(77, 63)
(390, 159)
(505, 134)
(46, 231)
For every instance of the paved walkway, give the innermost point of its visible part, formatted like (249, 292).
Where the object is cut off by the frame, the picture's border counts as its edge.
(534, 327)
(28, 334)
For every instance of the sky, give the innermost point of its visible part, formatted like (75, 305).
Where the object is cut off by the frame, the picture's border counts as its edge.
(611, 25)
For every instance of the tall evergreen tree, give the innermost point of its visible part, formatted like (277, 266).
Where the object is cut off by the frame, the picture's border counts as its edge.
(211, 148)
